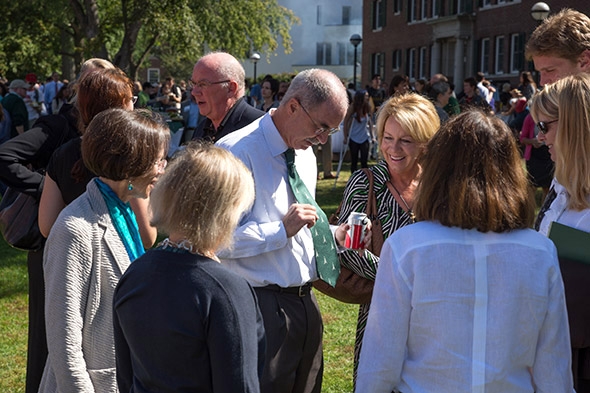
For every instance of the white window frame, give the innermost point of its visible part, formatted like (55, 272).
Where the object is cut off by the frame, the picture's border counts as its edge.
(412, 11)
(326, 48)
(422, 63)
(396, 60)
(377, 4)
(411, 63)
(378, 66)
(499, 55)
(349, 8)
(397, 7)
(484, 60)
(514, 42)
(423, 10)
(434, 13)
(153, 75)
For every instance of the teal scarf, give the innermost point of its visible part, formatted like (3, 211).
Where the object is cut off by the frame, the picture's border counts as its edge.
(124, 220)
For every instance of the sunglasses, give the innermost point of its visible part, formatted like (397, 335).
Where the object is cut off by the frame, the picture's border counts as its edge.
(542, 125)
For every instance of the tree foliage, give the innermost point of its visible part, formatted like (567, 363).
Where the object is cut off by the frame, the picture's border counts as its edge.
(39, 37)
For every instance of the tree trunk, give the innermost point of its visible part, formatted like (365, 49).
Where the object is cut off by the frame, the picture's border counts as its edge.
(86, 14)
(68, 66)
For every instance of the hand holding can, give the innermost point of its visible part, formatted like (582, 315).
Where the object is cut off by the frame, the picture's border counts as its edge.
(356, 233)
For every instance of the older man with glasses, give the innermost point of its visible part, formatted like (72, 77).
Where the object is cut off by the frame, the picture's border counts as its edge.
(284, 243)
(218, 86)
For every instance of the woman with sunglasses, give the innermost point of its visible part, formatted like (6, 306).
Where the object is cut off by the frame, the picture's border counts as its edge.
(562, 113)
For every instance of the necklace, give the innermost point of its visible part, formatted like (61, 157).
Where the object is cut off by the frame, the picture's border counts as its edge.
(185, 245)
(409, 211)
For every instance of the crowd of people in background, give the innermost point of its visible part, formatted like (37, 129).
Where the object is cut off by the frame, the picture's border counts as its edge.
(462, 287)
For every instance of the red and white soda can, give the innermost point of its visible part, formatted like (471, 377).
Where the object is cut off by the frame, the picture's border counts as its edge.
(355, 235)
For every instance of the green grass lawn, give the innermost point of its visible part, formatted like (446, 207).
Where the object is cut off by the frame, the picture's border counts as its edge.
(339, 318)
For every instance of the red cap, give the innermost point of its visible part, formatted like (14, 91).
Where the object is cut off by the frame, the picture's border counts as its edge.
(31, 78)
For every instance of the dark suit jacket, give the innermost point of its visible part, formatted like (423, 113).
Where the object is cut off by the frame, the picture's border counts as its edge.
(239, 116)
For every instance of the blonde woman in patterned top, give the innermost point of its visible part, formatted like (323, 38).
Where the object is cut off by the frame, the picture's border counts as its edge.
(405, 123)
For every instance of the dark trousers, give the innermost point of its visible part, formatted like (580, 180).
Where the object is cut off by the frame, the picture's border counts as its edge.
(355, 148)
(293, 326)
(37, 341)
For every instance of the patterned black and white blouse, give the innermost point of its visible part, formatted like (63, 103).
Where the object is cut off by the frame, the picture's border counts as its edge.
(392, 217)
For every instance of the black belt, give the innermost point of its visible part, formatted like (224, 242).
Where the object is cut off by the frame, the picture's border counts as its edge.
(301, 291)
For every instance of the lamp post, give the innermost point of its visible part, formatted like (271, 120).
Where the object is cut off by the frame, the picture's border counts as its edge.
(254, 59)
(355, 40)
(540, 11)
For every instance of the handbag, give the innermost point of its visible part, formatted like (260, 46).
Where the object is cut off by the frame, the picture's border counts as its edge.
(350, 287)
(19, 221)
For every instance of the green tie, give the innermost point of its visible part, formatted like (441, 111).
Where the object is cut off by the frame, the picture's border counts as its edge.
(327, 262)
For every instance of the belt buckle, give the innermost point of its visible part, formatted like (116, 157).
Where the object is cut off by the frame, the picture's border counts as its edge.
(301, 291)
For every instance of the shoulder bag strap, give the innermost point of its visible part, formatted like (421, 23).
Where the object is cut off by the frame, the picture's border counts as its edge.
(377, 237)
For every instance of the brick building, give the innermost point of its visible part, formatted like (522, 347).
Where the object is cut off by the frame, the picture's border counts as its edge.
(458, 38)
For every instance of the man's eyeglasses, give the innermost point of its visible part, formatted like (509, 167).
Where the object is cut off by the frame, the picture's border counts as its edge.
(542, 125)
(204, 84)
(133, 100)
(319, 130)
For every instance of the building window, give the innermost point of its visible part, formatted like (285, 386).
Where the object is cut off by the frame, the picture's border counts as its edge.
(499, 68)
(397, 7)
(423, 10)
(378, 14)
(411, 63)
(487, 3)
(412, 12)
(153, 75)
(346, 15)
(396, 60)
(422, 63)
(378, 64)
(458, 7)
(346, 53)
(484, 63)
(517, 43)
(324, 53)
(319, 15)
(436, 8)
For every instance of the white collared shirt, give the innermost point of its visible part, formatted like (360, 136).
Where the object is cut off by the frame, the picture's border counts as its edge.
(457, 310)
(559, 212)
(262, 253)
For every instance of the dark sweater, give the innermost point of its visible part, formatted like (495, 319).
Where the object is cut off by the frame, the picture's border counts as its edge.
(34, 148)
(184, 322)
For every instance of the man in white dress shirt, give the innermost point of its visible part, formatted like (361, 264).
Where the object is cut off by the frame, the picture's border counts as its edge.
(273, 246)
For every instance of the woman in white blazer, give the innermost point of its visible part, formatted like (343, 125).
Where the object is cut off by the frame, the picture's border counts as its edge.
(90, 246)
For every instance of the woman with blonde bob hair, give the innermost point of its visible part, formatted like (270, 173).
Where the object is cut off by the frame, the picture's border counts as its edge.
(468, 298)
(182, 320)
(405, 123)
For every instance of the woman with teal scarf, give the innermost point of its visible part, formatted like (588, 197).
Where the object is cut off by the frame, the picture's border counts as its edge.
(92, 243)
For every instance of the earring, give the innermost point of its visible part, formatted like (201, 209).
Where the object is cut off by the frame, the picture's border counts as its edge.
(130, 186)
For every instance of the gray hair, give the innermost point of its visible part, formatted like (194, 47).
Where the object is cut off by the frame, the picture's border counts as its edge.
(315, 86)
(439, 87)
